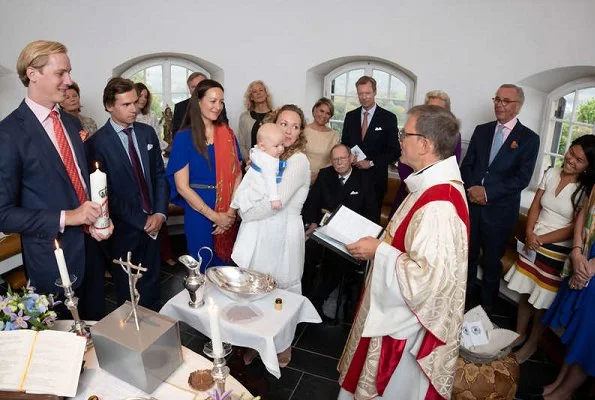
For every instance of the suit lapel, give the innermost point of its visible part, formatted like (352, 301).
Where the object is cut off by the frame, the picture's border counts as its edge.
(371, 122)
(144, 158)
(119, 148)
(489, 138)
(31, 124)
(506, 148)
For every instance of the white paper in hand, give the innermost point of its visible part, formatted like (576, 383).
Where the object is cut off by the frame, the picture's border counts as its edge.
(358, 153)
(528, 254)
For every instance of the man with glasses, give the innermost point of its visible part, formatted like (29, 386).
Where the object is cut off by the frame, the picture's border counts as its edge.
(337, 184)
(498, 165)
(404, 341)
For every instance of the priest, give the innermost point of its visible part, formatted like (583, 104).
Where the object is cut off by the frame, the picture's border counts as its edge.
(404, 341)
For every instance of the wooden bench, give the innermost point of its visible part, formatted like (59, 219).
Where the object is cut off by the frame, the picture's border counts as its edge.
(10, 259)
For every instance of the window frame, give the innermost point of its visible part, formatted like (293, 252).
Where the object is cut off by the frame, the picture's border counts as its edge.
(166, 64)
(369, 66)
(549, 121)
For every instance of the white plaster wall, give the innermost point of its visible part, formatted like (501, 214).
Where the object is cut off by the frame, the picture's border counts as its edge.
(466, 47)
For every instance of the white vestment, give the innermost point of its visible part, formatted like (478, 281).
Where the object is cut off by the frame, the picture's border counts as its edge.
(408, 293)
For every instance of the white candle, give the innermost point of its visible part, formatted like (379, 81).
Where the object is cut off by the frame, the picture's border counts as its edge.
(62, 265)
(99, 195)
(215, 328)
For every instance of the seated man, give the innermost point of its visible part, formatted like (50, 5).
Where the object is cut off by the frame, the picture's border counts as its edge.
(337, 184)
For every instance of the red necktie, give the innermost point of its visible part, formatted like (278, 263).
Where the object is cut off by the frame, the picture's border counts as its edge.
(365, 125)
(138, 172)
(67, 157)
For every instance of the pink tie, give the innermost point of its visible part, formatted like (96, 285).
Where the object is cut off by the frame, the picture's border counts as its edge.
(365, 125)
(67, 157)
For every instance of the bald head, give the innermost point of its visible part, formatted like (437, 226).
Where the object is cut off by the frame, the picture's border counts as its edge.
(270, 139)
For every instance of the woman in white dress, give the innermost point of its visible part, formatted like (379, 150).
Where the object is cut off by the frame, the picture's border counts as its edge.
(550, 224)
(320, 138)
(293, 190)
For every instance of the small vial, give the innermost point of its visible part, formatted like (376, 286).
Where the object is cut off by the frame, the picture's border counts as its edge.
(278, 304)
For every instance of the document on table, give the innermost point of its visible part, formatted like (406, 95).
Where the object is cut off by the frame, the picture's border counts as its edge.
(41, 362)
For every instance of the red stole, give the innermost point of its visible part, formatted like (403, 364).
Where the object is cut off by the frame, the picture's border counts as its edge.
(227, 169)
(392, 349)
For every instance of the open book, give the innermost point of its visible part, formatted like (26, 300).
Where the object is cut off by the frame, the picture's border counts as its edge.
(41, 362)
(343, 227)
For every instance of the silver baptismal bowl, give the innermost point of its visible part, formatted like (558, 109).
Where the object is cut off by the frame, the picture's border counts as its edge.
(241, 284)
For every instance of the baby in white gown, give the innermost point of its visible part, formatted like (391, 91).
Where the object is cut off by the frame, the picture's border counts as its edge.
(261, 182)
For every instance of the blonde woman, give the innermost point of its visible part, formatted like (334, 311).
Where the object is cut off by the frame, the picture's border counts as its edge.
(320, 138)
(258, 103)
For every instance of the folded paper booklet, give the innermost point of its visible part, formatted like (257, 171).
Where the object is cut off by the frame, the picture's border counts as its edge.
(344, 226)
(41, 362)
(358, 153)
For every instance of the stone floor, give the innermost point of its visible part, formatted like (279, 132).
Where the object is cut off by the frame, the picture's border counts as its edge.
(312, 373)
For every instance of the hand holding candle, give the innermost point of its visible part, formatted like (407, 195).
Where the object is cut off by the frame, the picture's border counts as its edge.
(99, 195)
(215, 328)
(62, 265)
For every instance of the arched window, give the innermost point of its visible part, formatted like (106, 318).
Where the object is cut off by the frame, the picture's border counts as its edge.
(570, 114)
(394, 89)
(166, 79)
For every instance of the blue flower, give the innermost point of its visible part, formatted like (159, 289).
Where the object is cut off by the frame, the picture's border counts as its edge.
(8, 326)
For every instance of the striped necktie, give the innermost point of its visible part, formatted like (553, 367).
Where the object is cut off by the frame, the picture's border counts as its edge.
(68, 158)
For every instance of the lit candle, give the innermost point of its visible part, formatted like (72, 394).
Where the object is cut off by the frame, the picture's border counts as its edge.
(215, 328)
(62, 265)
(99, 195)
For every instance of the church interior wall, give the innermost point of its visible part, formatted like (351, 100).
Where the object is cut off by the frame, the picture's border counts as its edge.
(466, 48)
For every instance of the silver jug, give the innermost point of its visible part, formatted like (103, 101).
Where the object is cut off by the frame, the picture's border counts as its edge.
(194, 282)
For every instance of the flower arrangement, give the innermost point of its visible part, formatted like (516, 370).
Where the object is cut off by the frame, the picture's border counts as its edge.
(28, 310)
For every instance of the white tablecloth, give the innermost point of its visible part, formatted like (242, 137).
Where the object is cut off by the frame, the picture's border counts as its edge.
(95, 381)
(256, 325)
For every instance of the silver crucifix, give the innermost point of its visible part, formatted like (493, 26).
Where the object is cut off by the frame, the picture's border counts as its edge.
(134, 274)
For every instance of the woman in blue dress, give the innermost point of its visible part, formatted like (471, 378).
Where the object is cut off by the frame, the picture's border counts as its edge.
(574, 309)
(203, 171)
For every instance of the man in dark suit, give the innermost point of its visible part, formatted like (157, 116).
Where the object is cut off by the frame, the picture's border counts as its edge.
(335, 185)
(138, 191)
(180, 108)
(374, 130)
(497, 167)
(44, 180)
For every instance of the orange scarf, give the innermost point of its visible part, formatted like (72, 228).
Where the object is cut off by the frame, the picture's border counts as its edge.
(227, 169)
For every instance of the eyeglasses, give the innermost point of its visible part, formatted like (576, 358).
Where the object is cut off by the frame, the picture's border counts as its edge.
(338, 159)
(403, 134)
(504, 102)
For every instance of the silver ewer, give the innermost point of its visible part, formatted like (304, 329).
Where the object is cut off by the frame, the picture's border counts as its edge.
(194, 282)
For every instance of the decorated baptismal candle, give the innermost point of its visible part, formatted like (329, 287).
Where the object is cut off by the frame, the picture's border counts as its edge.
(99, 196)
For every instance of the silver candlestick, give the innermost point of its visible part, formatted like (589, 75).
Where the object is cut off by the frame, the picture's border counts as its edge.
(220, 370)
(71, 302)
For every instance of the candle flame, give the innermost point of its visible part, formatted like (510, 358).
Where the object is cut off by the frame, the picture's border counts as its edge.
(96, 164)
(57, 245)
